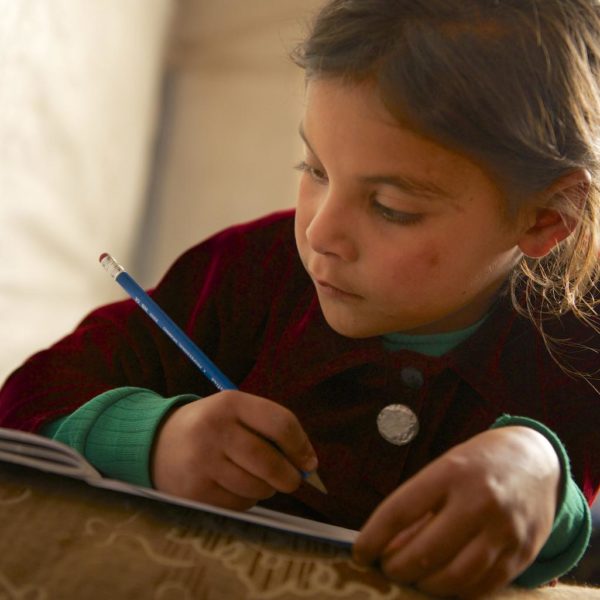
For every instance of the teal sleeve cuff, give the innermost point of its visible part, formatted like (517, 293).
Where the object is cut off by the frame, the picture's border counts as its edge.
(115, 431)
(573, 521)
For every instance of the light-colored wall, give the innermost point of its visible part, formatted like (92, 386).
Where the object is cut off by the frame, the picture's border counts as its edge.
(234, 104)
(78, 103)
(84, 87)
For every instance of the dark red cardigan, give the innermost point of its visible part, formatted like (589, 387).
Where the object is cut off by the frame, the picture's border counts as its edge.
(244, 297)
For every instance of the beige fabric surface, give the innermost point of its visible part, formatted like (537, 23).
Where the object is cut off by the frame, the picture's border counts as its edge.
(230, 139)
(78, 105)
(62, 539)
(105, 149)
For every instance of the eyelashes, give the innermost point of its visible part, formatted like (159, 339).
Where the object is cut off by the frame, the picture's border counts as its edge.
(383, 211)
(395, 216)
(316, 174)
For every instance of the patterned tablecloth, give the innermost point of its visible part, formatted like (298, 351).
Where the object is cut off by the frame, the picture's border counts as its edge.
(61, 539)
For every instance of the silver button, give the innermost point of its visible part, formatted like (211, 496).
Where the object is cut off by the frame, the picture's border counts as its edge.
(412, 377)
(397, 424)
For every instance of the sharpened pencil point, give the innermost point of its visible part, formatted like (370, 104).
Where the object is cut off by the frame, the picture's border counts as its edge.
(314, 480)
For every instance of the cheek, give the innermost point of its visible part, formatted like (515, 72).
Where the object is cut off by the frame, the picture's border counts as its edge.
(305, 197)
(431, 259)
(299, 234)
(304, 213)
(417, 268)
(427, 261)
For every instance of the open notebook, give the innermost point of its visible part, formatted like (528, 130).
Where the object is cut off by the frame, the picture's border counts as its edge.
(42, 453)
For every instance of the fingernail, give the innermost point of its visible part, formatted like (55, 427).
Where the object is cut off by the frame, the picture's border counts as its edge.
(311, 464)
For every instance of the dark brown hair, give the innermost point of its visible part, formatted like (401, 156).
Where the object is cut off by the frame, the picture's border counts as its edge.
(514, 84)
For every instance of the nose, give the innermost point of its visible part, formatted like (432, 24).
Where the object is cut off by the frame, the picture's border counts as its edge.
(330, 231)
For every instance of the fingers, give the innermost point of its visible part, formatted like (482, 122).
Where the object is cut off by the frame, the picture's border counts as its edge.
(499, 575)
(219, 496)
(479, 569)
(492, 501)
(411, 502)
(259, 459)
(230, 449)
(406, 535)
(279, 425)
(435, 544)
(463, 572)
(508, 565)
(235, 480)
(448, 554)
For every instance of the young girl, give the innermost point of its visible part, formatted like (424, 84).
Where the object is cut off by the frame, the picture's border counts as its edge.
(424, 323)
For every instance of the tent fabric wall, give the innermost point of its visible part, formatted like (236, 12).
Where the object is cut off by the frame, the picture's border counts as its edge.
(137, 127)
(78, 106)
(233, 103)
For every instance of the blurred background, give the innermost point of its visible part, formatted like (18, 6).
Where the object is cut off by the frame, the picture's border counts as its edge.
(138, 127)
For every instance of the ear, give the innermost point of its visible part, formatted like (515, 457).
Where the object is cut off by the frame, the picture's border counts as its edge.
(553, 217)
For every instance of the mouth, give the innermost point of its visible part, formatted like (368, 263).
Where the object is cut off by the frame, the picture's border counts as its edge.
(332, 291)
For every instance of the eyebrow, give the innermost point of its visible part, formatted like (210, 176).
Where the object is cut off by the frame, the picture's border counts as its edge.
(426, 189)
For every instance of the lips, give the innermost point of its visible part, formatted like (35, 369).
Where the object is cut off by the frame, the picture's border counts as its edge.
(332, 290)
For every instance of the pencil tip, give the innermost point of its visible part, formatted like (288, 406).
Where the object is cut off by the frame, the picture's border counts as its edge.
(314, 480)
(103, 256)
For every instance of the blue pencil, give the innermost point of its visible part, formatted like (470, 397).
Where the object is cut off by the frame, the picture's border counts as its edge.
(179, 337)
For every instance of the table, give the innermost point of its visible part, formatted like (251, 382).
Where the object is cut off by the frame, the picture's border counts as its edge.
(62, 539)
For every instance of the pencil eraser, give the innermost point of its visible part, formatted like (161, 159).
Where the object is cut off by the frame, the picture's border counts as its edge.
(103, 256)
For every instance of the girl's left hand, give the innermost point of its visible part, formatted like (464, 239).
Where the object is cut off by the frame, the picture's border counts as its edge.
(472, 520)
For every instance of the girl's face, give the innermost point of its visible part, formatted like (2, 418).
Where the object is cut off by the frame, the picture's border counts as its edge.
(397, 232)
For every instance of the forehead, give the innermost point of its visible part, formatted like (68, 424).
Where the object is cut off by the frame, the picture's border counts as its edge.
(350, 131)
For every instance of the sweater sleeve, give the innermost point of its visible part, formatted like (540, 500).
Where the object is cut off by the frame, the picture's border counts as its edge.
(115, 431)
(212, 291)
(572, 524)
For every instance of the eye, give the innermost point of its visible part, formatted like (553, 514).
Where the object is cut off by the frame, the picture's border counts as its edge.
(395, 216)
(316, 174)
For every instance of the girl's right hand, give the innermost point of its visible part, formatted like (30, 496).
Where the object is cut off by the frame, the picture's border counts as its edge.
(220, 450)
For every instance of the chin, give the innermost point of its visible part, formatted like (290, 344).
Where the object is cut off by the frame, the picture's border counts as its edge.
(353, 329)
(357, 328)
